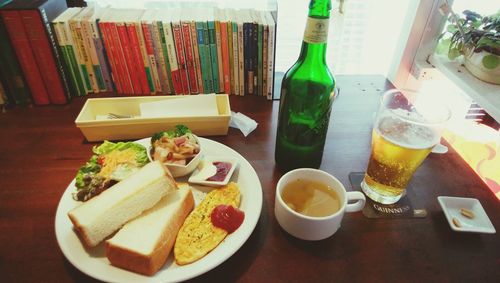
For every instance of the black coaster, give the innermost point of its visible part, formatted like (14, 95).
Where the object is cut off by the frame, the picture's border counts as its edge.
(401, 209)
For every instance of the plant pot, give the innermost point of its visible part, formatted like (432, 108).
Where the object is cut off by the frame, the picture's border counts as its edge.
(489, 73)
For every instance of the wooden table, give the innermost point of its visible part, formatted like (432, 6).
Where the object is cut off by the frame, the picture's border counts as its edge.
(41, 150)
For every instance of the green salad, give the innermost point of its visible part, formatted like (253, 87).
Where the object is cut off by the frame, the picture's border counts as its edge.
(110, 163)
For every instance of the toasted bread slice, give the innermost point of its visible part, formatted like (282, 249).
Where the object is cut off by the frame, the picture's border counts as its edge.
(143, 244)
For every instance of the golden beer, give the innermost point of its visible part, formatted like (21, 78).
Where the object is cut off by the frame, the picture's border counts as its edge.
(398, 149)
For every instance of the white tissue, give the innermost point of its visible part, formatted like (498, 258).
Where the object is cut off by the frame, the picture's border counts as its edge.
(242, 122)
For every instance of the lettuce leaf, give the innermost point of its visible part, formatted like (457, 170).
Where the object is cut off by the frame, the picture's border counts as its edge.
(88, 183)
(107, 147)
(90, 167)
(178, 131)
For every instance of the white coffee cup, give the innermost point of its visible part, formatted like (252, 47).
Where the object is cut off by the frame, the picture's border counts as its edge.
(314, 228)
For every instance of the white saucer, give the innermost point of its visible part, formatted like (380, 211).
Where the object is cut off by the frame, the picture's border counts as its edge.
(479, 224)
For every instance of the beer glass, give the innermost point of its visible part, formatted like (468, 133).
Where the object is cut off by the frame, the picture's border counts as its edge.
(404, 132)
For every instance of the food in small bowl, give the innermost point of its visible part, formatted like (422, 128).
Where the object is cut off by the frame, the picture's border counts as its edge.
(179, 149)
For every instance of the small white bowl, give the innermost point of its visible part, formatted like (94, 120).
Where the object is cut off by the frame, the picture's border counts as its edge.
(479, 224)
(195, 178)
(178, 170)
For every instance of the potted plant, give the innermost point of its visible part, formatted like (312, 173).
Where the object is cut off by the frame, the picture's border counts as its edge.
(477, 39)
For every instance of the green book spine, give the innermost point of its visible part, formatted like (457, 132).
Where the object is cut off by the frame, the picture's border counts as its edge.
(235, 66)
(88, 85)
(206, 54)
(74, 66)
(231, 56)
(99, 78)
(213, 56)
(14, 83)
(4, 2)
(73, 87)
(201, 52)
(80, 50)
(71, 49)
(69, 68)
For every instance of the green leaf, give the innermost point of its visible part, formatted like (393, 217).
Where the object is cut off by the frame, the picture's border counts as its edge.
(490, 61)
(453, 53)
(451, 28)
(476, 23)
(179, 130)
(443, 46)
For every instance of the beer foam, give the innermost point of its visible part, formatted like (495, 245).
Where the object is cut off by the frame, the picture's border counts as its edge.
(406, 134)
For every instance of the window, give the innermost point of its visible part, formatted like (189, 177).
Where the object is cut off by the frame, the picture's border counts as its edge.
(362, 40)
(473, 133)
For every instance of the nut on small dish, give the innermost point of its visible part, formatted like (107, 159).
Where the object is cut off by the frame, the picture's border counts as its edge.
(466, 215)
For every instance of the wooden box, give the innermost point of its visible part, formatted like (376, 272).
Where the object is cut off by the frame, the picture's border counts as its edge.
(137, 127)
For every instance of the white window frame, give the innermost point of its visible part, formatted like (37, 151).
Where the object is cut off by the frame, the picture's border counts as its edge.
(417, 61)
(423, 33)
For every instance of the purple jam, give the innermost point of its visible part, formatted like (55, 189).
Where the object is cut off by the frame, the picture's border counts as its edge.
(222, 171)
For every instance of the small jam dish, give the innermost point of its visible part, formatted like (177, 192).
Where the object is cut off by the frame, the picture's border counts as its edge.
(213, 171)
(466, 215)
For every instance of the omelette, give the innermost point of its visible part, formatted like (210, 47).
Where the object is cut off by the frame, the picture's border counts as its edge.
(198, 236)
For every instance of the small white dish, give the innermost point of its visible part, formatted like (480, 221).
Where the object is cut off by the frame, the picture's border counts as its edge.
(178, 170)
(207, 169)
(183, 170)
(479, 224)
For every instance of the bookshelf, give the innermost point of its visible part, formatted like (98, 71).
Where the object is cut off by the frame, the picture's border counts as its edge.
(172, 49)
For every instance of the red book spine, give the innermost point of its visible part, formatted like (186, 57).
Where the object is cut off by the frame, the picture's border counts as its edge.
(148, 44)
(124, 75)
(186, 34)
(106, 37)
(20, 42)
(127, 53)
(139, 63)
(176, 80)
(225, 58)
(181, 59)
(43, 56)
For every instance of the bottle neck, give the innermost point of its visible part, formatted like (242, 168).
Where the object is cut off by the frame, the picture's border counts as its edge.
(316, 32)
(320, 8)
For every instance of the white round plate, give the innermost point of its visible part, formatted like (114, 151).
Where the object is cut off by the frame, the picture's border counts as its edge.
(94, 263)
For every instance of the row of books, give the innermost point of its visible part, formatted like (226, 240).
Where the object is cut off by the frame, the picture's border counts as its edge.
(50, 52)
(168, 51)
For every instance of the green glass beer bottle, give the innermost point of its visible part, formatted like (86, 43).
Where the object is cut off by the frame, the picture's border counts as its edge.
(307, 94)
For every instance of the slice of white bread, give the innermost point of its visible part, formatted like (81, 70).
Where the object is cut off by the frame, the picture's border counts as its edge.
(104, 214)
(143, 244)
